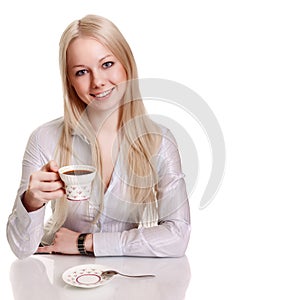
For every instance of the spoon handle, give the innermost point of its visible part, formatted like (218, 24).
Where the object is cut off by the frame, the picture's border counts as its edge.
(137, 276)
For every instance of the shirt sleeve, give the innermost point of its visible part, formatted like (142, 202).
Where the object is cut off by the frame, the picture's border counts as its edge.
(24, 230)
(171, 236)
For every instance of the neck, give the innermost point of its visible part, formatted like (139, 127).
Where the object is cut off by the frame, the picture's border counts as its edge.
(104, 121)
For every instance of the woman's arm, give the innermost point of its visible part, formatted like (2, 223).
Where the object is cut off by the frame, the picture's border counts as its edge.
(39, 184)
(24, 230)
(170, 238)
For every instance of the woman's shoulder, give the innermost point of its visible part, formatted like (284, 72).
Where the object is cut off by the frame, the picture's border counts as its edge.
(168, 139)
(52, 125)
(165, 132)
(43, 140)
(49, 130)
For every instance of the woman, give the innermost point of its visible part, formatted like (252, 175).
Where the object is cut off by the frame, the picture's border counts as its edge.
(139, 205)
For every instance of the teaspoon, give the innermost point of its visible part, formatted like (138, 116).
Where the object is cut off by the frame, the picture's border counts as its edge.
(110, 273)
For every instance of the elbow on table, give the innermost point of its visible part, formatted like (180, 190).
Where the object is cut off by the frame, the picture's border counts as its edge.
(17, 248)
(178, 246)
(22, 255)
(181, 245)
(19, 253)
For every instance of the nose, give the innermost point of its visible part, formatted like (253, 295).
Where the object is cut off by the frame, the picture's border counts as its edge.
(98, 79)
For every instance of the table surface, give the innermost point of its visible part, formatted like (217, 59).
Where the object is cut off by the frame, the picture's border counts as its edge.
(40, 277)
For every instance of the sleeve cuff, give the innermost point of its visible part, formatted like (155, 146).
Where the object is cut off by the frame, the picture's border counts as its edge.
(37, 216)
(30, 219)
(107, 244)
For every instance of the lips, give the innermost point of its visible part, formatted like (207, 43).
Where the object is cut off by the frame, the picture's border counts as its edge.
(102, 94)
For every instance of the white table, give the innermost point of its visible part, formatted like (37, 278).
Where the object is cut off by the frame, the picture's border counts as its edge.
(39, 277)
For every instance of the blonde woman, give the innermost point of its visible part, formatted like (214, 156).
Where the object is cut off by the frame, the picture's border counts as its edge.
(139, 204)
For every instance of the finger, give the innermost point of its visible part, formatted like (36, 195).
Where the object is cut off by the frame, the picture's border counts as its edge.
(45, 176)
(45, 197)
(48, 196)
(51, 166)
(45, 249)
(50, 186)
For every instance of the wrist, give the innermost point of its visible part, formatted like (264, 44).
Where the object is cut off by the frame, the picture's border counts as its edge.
(88, 243)
(30, 205)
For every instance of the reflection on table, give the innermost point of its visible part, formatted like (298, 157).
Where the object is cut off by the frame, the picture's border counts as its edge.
(40, 277)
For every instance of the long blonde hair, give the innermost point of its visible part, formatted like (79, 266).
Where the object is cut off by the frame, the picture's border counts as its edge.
(140, 135)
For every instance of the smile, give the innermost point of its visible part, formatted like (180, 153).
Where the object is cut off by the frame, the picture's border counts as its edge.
(103, 94)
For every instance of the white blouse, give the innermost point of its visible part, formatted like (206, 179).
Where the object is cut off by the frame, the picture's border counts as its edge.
(115, 233)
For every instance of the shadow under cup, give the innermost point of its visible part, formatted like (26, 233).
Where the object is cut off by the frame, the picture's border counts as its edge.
(78, 181)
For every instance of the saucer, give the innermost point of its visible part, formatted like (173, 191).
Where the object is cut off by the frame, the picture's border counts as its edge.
(86, 276)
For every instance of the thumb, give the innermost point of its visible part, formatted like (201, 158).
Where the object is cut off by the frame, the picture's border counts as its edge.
(51, 166)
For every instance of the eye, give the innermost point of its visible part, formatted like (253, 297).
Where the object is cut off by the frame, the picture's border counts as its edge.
(107, 64)
(81, 72)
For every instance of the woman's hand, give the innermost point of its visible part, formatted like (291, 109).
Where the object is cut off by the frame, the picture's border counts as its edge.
(65, 241)
(44, 185)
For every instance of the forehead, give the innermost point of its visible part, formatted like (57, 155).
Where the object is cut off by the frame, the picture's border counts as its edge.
(85, 49)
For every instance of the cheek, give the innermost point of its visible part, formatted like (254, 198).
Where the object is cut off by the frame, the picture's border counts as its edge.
(79, 86)
(119, 75)
(80, 90)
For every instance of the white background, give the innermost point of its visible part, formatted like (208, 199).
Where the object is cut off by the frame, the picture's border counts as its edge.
(242, 58)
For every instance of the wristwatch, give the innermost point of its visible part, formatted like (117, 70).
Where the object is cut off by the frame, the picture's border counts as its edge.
(81, 246)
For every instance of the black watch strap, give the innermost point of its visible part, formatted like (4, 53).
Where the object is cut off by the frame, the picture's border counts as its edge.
(80, 244)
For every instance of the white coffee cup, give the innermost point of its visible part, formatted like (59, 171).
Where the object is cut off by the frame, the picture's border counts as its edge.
(78, 181)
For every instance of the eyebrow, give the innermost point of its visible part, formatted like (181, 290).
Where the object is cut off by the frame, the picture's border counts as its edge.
(100, 60)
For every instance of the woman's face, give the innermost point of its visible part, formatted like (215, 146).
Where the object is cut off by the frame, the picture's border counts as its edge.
(96, 75)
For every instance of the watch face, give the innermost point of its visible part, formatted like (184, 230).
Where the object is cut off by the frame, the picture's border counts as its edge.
(81, 237)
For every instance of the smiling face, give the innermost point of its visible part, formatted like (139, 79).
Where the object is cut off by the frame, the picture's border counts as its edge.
(95, 74)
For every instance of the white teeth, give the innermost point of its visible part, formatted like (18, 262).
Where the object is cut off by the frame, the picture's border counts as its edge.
(101, 95)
